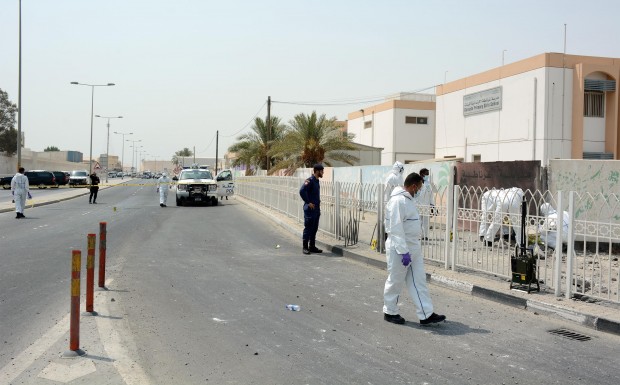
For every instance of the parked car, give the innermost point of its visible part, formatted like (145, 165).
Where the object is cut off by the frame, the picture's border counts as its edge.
(62, 178)
(112, 174)
(196, 186)
(79, 178)
(36, 178)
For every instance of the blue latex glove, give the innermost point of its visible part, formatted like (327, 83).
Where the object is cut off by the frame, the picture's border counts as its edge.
(29, 196)
(406, 259)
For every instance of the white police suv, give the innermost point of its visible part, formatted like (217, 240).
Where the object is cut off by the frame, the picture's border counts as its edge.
(196, 185)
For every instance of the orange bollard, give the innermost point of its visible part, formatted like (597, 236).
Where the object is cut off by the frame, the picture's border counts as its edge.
(74, 322)
(102, 251)
(90, 273)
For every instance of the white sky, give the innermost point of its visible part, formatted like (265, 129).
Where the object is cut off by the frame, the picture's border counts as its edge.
(186, 68)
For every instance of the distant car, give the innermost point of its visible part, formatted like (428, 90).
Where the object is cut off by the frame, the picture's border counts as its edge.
(225, 184)
(112, 174)
(195, 185)
(62, 178)
(5, 182)
(79, 178)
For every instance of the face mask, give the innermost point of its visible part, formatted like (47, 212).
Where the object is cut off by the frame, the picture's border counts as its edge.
(425, 178)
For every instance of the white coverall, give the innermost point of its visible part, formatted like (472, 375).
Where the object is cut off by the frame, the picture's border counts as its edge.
(487, 208)
(20, 188)
(402, 223)
(163, 185)
(508, 201)
(394, 179)
(548, 230)
(425, 198)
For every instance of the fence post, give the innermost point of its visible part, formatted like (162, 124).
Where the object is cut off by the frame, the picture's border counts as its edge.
(337, 213)
(570, 247)
(74, 320)
(557, 273)
(380, 216)
(90, 274)
(102, 253)
(452, 235)
(449, 209)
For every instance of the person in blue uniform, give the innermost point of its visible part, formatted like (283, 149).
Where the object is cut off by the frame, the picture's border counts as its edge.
(310, 192)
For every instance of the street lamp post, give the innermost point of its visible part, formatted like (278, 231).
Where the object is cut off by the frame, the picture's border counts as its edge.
(107, 148)
(92, 105)
(133, 151)
(123, 156)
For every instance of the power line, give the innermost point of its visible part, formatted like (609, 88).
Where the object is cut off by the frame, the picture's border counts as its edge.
(349, 101)
(247, 124)
(210, 143)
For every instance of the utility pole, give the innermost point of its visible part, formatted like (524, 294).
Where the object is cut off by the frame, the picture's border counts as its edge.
(217, 134)
(268, 131)
(194, 154)
(19, 94)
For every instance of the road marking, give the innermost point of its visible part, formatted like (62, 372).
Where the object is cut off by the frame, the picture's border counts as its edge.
(117, 341)
(68, 373)
(26, 358)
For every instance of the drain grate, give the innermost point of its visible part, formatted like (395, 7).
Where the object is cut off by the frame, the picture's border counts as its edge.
(571, 335)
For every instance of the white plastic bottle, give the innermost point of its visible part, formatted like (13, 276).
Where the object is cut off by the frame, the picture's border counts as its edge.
(293, 307)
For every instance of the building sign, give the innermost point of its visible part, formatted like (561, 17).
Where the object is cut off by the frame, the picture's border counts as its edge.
(483, 101)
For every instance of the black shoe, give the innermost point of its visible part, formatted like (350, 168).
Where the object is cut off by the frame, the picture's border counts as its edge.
(89, 202)
(17, 216)
(314, 249)
(395, 319)
(161, 205)
(94, 203)
(489, 244)
(306, 251)
(165, 206)
(433, 319)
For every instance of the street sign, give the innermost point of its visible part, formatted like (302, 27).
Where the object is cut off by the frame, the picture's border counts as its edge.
(97, 166)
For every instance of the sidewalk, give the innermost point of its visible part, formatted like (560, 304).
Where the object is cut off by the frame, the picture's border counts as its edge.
(66, 194)
(599, 315)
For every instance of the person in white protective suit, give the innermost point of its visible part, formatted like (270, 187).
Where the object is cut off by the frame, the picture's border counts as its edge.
(548, 229)
(488, 200)
(405, 263)
(20, 188)
(394, 179)
(425, 198)
(163, 185)
(508, 201)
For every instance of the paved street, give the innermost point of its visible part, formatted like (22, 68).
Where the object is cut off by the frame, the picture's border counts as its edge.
(197, 295)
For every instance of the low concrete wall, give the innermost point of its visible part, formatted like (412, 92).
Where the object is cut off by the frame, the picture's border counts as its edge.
(33, 161)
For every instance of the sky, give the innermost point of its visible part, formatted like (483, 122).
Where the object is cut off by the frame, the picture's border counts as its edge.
(186, 69)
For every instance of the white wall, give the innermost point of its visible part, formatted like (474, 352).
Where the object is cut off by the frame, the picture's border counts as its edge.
(530, 109)
(593, 134)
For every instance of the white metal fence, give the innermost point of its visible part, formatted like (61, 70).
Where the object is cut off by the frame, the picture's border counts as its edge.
(353, 212)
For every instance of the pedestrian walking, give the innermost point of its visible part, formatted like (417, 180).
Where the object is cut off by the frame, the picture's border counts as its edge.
(20, 188)
(94, 188)
(310, 192)
(394, 179)
(163, 185)
(405, 263)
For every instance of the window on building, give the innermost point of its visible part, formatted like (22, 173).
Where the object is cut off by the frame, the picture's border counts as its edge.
(416, 120)
(476, 158)
(368, 124)
(594, 104)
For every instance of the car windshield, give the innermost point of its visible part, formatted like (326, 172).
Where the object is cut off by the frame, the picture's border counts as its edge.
(79, 173)
(196, 174)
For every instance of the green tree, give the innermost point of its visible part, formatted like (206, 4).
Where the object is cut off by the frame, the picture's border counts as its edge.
(184, 153)
(8, 133)
(51, 148)
(312, 139)
(253, 148)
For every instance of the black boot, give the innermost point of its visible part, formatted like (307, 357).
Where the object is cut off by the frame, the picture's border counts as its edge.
(305, 249)
(313, 248)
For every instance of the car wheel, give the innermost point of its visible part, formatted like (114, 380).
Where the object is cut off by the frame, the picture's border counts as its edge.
(179, 203)
(6, 186)
(214, 201)
(41, 186)
(56, 185)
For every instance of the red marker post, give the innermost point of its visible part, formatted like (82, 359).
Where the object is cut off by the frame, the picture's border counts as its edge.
(102, 251)
(74, 321)
(90, 274)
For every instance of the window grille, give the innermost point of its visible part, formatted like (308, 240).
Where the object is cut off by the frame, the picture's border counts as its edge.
(368, 124)
(594, 104)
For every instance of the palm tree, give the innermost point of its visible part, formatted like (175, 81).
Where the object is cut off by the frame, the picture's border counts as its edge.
(312, 139)
(185, 152)
(253, 148)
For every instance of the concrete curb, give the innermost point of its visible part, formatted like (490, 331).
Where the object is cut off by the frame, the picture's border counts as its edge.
(586, 320)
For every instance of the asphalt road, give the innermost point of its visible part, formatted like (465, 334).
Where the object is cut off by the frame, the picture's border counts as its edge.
(197, 295)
